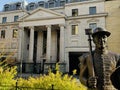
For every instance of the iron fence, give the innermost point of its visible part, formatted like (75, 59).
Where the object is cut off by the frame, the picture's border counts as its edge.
(16, 87)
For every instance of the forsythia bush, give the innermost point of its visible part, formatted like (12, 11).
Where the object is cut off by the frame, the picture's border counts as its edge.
(7, 76)
(57, 80)
(44, 82)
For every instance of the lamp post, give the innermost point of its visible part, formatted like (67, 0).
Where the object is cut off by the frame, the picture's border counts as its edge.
(89, 33)
(22, 35)
(21, 62)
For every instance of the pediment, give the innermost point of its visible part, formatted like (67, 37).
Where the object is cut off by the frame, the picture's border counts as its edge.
(41, 13)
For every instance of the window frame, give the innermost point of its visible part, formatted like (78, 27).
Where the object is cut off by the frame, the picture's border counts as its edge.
(92, 25)
(74, 29)
(18, 6)
(2, 34)
(62, 3)
(15, 33)
(74, 12)
(16, 18)
(4, 19)
(92, 10)
(51, 4)
(6, 7)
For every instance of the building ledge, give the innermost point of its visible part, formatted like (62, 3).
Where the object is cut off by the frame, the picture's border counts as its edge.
(87, 16)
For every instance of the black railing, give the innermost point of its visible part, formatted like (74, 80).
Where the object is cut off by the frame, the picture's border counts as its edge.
(16, 87)
(39, 68)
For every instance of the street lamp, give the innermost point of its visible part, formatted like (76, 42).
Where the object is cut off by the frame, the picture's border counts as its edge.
(89, 33)
(22, 36)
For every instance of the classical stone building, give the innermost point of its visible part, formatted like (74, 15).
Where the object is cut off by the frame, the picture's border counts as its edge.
(113, 24)
(43, 33)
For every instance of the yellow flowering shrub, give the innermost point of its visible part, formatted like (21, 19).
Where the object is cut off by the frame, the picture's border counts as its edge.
(57, 80)
(7, 76)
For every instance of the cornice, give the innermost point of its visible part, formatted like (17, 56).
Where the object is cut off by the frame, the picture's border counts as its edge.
(9, 12)
(46, 18)
(9, 23)
(87, 16)
(83, 2)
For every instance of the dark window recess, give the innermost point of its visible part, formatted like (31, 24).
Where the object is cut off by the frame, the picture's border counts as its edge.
(3, 34)
(74, 12)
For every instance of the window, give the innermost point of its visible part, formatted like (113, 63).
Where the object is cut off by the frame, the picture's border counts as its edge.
(31, 7)
(15, 33)
(74, 29)
(74, 12)
(6, 7)
(51, 4)
(92, 25)
(3, 34)
(18, 6)
(15, 18)
(4, 19)
(62, 3)
(41, 4)
(92, 10)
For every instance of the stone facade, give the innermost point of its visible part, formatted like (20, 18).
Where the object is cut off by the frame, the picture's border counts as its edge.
(113, 24)
(53, 34)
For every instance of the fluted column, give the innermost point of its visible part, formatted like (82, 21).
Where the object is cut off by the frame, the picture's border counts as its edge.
(48, 42)
(62, 36)
(31, 44)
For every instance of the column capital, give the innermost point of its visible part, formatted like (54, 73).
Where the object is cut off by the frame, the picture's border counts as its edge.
(31, 27)
(61, 25)
(48, 26)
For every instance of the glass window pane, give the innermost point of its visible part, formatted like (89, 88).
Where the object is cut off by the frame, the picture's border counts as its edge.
(51, 5)
(18, 6)
(3, 34)
(92, 25)
(32, 7)
(15, 18)
(62, 3)
(74, 12)
(4, 19)
(92, 10)
(15, 33)
(74, 29)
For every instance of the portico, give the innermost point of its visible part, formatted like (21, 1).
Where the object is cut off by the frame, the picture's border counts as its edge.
(42, 38)
(53, 37)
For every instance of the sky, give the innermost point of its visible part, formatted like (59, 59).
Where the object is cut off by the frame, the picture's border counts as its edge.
(3, 2)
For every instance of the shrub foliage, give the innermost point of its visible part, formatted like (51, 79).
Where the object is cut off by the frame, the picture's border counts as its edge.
(52, 81)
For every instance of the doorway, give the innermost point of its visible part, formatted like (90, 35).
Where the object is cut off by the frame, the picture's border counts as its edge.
(74, 62)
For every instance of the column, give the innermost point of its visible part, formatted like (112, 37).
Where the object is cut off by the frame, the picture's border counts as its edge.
(48, 42)
(31, 44)
(62, 43)
(20, 44)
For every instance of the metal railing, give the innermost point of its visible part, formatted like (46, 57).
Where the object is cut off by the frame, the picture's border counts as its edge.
(39, 68)
(16, 87)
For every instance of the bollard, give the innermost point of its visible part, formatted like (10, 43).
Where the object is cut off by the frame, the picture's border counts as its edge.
(16, 85)
(52, 87)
